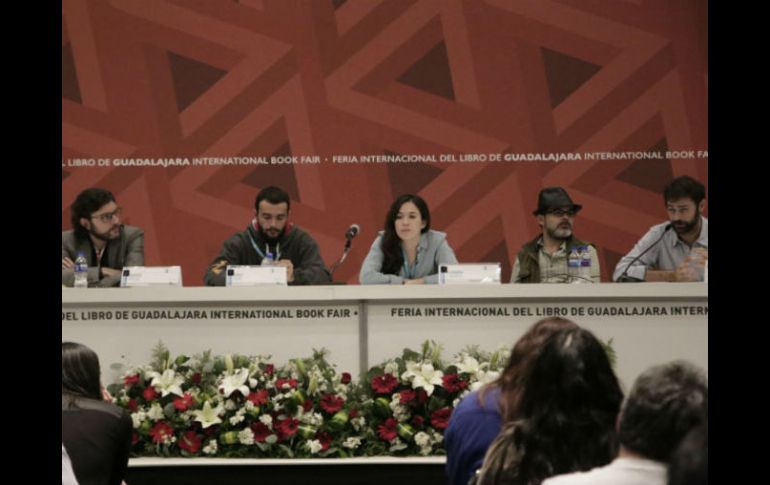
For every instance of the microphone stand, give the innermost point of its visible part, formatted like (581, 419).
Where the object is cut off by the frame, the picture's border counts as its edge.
(624, 278)
(345, 252)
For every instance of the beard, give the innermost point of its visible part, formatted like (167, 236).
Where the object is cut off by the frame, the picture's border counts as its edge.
(271, 235)
(561, 232)
(108, 234)
(688, 227)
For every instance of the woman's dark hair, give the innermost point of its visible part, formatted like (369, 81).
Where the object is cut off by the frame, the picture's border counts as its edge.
(569, 404)
(524, 352)
(80, 373)
(393, 257)
(86, 203)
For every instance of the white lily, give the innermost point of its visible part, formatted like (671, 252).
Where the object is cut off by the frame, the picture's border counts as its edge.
(484, 377)
(208, 416)
(168, 382)
(235, 382)
(422, 375)
(469, 365)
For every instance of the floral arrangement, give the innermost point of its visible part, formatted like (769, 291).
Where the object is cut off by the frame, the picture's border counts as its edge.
(245, 406)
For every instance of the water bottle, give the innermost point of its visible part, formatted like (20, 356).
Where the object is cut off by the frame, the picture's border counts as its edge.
(268, 260)
(81, 271)
(585, 266)
(573, 265)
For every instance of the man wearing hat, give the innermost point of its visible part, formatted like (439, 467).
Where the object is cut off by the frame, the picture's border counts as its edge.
(544, 259)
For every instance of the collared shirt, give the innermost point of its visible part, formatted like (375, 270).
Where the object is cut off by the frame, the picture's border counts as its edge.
(432, 250)
(553, 267)
(628, 471)
(665, 255)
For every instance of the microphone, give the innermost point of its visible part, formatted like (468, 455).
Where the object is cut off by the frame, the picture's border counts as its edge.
(624, 278)
(352, 231)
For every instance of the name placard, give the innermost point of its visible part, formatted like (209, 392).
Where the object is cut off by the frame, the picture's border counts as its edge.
(245, 275)
(463, 274)
(151, 276)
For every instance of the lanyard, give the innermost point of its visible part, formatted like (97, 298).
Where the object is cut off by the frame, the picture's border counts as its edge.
(267, 249)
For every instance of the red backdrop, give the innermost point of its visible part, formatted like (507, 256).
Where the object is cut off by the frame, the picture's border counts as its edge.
(151, 80)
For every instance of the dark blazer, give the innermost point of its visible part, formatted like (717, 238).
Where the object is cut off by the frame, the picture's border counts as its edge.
(97, 435)
(127, 250)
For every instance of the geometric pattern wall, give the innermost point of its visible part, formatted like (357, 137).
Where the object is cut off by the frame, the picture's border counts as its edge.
(195, 79)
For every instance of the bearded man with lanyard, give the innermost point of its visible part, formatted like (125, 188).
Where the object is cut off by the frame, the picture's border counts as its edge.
(270, 231)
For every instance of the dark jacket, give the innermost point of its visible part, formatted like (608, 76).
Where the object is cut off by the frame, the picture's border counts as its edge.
(296, 245)
(97, 435)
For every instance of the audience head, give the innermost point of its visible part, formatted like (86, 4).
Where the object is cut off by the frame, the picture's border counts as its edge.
(665, 403)
(80, 372)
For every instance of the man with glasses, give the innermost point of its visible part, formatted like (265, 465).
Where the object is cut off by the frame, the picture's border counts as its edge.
(544, 259)
(107, 244)
(672, 255)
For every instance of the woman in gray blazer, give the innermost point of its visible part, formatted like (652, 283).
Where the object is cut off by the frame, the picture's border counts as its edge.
(408, 251)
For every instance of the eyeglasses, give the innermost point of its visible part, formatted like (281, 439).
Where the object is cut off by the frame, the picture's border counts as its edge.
(561, 212)
(108, 216)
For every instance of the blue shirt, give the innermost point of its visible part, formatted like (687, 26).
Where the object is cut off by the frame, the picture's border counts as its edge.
(471, 430)
(432, 250)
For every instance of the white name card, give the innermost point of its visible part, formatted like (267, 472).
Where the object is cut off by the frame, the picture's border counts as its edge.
(244, 275)
(463, 274)
(151, 276)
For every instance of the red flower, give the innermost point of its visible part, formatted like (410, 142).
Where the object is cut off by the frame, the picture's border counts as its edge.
(307, 405)
(190, 442)
(440, 418)
(259, 397)
(422, 396)
(384, 384)
(287, 428)
(353, 413)
(345, 378)
(211, 430)
(134, 438)
(129, 381)
(261, 432)
(407, 396)
(184, 402)
(149, 394)
(269, 368)
(196, 378)
(418, 421)
(161, 431)
(325, 439)
(280, 383)
(387, 430)
(132, 406)
(453, 383)
(331, 403)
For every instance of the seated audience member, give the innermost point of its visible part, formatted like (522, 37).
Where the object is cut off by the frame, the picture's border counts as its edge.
(408, 251)
(271, 232)
(96, 433)
(665, 403)
(678, 255)
(544, 259)
(566, 414)
(689, 465)
(107, 244)
(477, 419)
